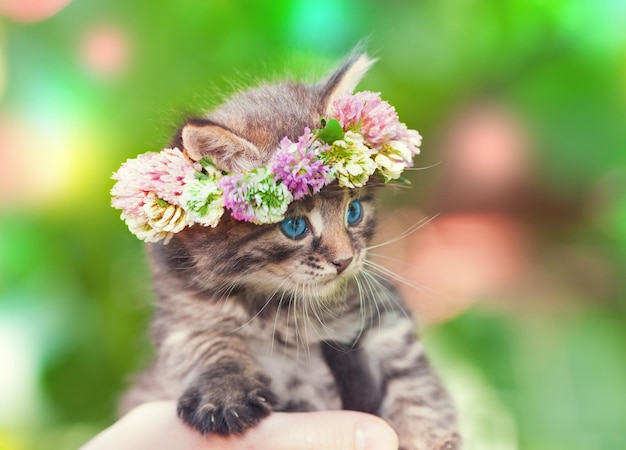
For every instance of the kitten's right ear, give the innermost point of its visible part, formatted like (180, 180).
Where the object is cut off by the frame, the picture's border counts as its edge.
(229, 152)
(345, 79)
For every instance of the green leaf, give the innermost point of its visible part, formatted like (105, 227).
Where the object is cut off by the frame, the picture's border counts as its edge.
(162, 203)
(403, 181)
(331, 132)
(206, 162)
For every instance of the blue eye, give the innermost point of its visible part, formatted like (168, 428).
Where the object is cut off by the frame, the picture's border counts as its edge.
(355, 212)
(294, 227)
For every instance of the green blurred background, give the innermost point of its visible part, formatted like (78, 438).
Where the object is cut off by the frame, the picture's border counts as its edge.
(521, 275)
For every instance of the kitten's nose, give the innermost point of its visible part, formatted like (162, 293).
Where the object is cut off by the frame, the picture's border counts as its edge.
(342, 264)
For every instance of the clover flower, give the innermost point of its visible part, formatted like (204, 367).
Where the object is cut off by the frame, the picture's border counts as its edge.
(297, 166)
(163, 216)
(203, 201)
(163, 173)
(157, 221)
(392, 159)
(351, 160)
(256, 196)
(366, 113)
(144, 231)
(145, 185)
(411, 138)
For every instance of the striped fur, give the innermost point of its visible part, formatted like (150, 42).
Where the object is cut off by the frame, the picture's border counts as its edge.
(249, 321)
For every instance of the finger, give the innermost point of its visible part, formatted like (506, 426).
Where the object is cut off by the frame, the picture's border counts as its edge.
(155, 426)
(328, 430)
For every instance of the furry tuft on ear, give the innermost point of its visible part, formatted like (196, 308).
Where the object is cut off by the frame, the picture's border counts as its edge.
(229, 152)
(346, 78)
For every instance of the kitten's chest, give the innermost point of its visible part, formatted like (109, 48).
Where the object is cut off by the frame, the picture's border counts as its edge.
(300, 376)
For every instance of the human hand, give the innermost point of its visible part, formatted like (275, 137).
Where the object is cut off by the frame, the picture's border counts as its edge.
(155, 426)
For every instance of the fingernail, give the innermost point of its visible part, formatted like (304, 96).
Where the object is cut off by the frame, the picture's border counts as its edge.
(375, 435)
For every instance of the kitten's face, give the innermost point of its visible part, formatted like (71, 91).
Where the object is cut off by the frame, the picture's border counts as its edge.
(321, 243)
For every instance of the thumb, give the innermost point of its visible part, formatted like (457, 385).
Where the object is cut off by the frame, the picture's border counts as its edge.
(155, 426)
(323, 430)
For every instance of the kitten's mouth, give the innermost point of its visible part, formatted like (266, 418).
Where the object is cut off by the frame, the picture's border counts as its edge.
(328, 286)
(318, 284)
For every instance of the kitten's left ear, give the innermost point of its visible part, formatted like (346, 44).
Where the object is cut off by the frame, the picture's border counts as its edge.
(345, 79)
(230, 152)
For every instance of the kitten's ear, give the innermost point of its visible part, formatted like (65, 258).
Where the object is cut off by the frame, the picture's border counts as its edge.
(228, 151)
(345, 79)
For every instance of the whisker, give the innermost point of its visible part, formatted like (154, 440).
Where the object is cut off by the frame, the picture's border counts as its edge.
(307, 320)
(322, 311)
(432, 166)
(394, 276)
(378, 255)
(265, 305)
(412, 229)
(278, 310)
(317, 310)
(391, 297)
(224, 290)
(289, 308)
(299, 307)
(370, 282)
(362, 312)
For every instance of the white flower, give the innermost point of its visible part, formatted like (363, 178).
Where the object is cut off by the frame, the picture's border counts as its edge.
(256, 196)
(350, 160)
(392, 159)
(203, 201)
(158, 220)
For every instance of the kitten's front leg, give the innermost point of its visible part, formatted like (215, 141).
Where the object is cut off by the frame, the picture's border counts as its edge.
(226, 398)
(415, 402)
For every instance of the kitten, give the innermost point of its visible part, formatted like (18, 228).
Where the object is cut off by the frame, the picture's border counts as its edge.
(285, 317)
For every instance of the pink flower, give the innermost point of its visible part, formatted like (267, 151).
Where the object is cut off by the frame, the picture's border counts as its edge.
(411, 138)
(255, 196)
(234, 190)
(297, 166)
(366, 113)
(148, 180)
(162, 173)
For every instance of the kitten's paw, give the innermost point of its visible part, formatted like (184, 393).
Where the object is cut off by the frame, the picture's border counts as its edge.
(226, 401)
(450, 442)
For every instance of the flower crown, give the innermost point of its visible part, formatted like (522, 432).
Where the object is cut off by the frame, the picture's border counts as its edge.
(162, 193)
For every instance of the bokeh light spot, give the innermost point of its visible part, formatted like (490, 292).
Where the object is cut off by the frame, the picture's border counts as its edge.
(18, 384)
(30, 11)
(39, 159)
(105, 50)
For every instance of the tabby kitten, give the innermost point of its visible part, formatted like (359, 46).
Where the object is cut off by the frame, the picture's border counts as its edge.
(285, 317)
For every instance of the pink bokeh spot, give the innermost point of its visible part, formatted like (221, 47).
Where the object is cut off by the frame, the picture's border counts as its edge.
(489, 146)
(30, 11)
(105, 50)
(455, 260)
